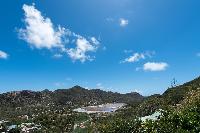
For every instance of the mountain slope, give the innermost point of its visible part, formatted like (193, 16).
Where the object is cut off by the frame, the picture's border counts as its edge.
(73, 96)
(176, 94)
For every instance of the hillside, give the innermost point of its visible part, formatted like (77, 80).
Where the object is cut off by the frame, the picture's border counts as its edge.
(81, 96)
(180, 112)
(45, 109)
(72, 96)
(171, 97)
(176, 94)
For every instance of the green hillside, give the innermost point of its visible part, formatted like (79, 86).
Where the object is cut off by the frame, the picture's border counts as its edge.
(52, 111)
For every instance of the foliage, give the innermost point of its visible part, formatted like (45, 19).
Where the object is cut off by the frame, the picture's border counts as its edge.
(53, 111)
(175, 95)
(184, 118)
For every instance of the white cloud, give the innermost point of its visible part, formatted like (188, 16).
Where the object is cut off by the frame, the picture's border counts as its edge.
(3, 55)
(83, 46)
(155, 66)
(123, 22)
(40, 33)
(135, 57)
(94, 41)
(57, 56)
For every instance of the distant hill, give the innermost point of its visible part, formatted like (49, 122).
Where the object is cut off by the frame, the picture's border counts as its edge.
(79, 96)
(53, 110)
(72, 96)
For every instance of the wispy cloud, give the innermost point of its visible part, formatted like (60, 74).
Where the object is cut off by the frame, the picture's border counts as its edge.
(40, 33)
(123, 22)
(128, 51)
(155, 66)
(119, 21)
(3, 55)
(57, 56)
(149, 66)
(135, 57)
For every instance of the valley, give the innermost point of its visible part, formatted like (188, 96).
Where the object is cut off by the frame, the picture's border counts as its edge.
(80, 110)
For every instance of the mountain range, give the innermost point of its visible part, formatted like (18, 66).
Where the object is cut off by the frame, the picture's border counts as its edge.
(49, 108)
(82, 96)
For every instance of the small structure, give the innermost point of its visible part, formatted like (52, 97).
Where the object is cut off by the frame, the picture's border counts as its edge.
(152, 117)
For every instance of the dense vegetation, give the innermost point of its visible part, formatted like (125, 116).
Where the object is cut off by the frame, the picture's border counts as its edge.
(182, 119)
(53, 111)
(181, 113)
(73, 96)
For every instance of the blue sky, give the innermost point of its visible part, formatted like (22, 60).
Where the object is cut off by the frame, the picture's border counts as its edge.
(117, 45)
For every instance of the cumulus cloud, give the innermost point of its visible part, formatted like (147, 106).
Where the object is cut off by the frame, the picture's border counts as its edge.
(83, 46)
(123, 22)
(3, 55)
(40, 33)
(155, 66)
(135, 57)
